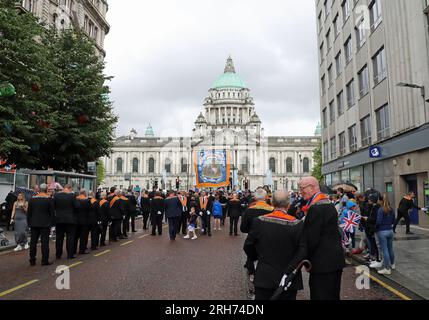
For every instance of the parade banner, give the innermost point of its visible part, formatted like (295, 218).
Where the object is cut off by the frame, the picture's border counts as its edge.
(212, 168)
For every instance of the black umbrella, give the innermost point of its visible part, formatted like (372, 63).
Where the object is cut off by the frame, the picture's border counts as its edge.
(371, 191)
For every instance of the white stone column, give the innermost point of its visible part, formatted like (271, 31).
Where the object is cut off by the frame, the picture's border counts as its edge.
(144, 163)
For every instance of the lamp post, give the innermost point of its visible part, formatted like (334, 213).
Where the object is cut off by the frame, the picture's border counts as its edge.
(422, 90)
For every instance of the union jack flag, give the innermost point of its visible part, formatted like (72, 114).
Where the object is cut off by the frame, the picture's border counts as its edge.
(351, 221)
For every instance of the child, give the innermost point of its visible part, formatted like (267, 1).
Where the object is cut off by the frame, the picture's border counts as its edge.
(192, 223)
(217, 213)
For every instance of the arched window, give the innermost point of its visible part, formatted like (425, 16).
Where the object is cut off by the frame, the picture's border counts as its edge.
(135, 165)
(183, 165)
(289, 165)
(306, 165)
(151, 165)
(119, 165)
(168, 165)
(273, 165)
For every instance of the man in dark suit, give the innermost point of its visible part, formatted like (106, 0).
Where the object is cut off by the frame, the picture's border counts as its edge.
(145, 208)
(173, 212)
(82, 230)
(40, 216)
(103, 213)
(132, 204)
(126, 218)
(116, 214)
(66, 206)
(184, 199)
(272, 242)
(256, 209)
(94, 221)
(320, 243)
(205, 207)
(157, 209)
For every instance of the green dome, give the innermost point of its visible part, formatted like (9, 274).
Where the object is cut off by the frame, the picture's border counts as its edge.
(149, 132)
(229, 80)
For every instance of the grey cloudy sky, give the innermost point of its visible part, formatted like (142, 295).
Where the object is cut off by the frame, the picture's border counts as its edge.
(166, 54)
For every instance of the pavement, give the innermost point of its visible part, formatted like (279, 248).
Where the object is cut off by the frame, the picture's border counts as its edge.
(146, 267)
(412, 261)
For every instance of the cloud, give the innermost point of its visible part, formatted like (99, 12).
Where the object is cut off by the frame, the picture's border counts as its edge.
(166, 54)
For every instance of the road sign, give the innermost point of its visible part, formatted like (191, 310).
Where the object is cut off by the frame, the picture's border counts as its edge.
(375, 152)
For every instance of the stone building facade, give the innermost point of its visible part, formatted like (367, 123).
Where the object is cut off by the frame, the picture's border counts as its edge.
(89, 15)
(228, 121)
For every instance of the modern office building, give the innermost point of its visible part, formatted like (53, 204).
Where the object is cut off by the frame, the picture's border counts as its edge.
(374, 92)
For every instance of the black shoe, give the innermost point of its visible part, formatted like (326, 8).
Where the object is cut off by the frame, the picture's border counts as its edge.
(230, 233)
(134, 231)
(46, 263)
(210, 234)
(102, 245)
(409, 232)
(32, 263)
(84, 252)
(114, 240)
(71, 258)
(95, 248)
(153, 234)
(58, 257)
(236, 234)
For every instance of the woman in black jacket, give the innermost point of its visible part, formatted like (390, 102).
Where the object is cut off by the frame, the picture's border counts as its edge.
(370, 226)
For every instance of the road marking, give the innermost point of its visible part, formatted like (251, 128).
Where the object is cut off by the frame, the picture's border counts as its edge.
(125, 243)
(141, 237)
(101, 253)
(386, 286)
(419, 228)
(2, 294)
(75, 264)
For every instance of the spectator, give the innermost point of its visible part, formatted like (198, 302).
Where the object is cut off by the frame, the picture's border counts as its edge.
(19, 219)
(385, 220)
(217, 213)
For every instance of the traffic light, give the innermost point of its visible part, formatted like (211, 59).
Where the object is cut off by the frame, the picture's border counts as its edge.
(177, 184)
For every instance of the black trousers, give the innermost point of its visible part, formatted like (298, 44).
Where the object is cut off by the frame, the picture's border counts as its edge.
(206, 223)
(266, 294)
(233, 224)
(43, 234)
(125, 225)
(406, 217)
(183, 223)
(133, 223)
(95, 235)
(81, 235)
(326, 286)
(222, 221)
(115, 229)
(156, 221)
(103, 232)
(173, 224)
(145, 220)
(69, 231)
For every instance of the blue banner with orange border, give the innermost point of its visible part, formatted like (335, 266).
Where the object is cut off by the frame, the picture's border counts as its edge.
(212, 168)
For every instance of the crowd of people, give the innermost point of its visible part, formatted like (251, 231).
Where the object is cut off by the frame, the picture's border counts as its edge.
(283, 228)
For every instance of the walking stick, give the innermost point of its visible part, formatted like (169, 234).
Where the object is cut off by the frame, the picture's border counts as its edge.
(287, 280)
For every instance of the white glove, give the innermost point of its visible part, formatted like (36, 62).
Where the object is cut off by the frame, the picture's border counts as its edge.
(201, 213)
(159, 212)
(11, 221)
(208, 213)
(425, 209)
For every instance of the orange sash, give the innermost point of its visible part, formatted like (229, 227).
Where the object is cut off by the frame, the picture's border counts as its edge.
(183, 200)
(112, 202)
(261, 205)
(81, 197)
(277, 214)
(204, 202)
(102, 202)
(124, 198)
(93, 200)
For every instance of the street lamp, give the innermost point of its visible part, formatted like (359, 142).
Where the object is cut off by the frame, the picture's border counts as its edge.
(416, 86)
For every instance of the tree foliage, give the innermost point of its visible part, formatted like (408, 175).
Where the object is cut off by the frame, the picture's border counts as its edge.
(61, 116)
(317, 169)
